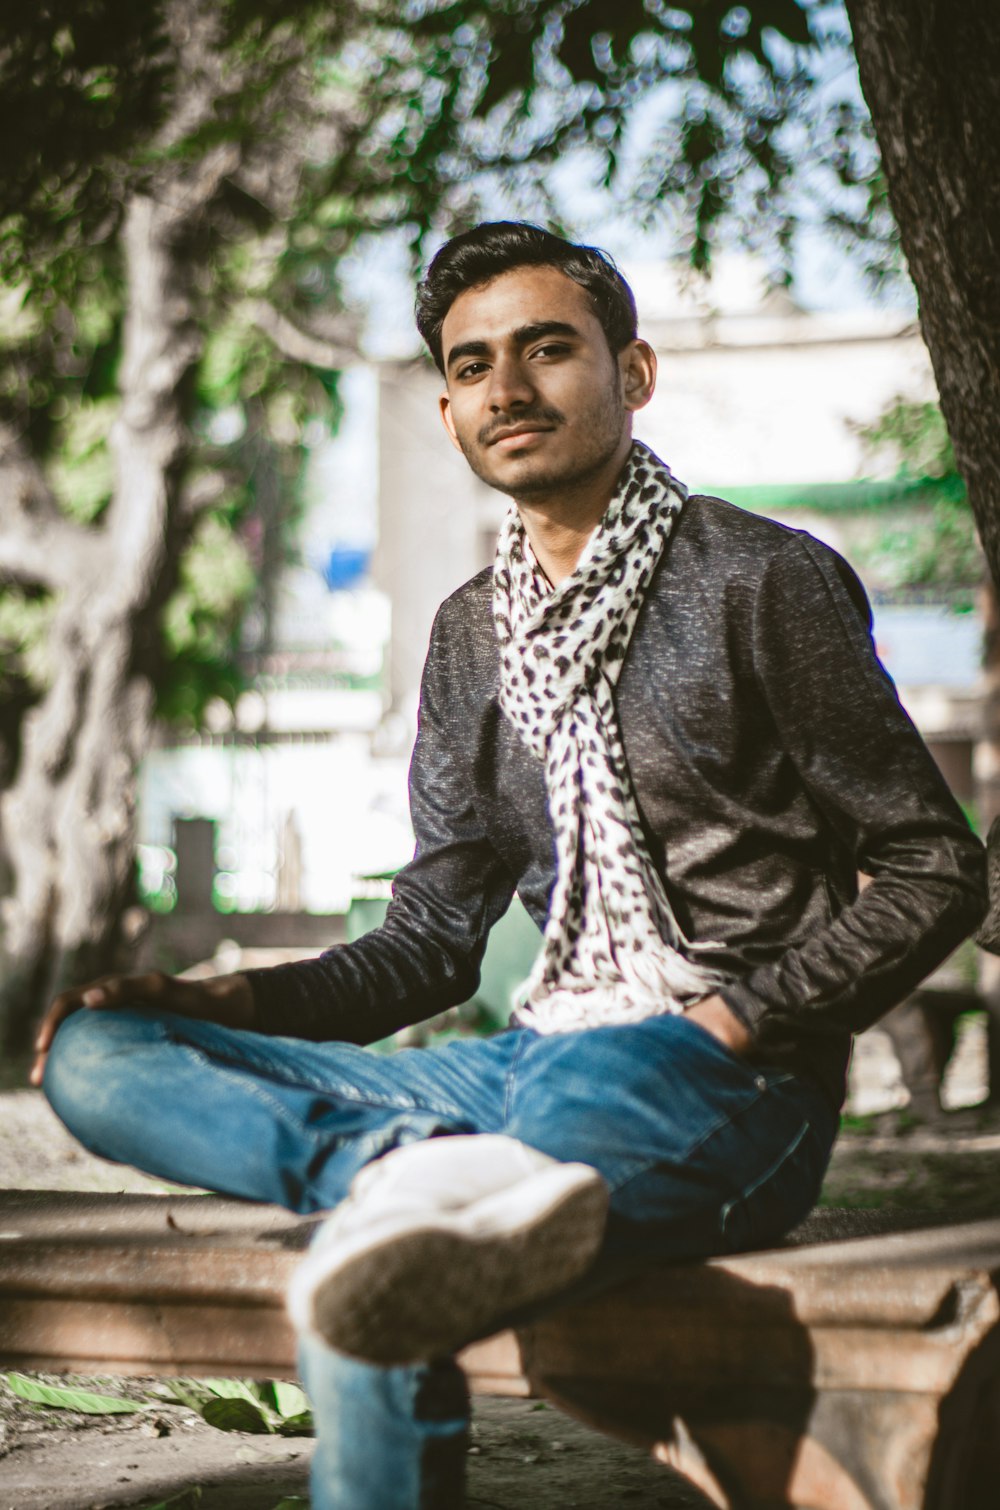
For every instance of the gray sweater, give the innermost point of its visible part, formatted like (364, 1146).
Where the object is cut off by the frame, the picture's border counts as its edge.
(771, 761)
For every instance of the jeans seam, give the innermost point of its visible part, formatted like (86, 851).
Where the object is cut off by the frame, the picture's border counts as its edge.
(395, 1104)
(508, 1089)
(768, 1174)
(335, 1090)
(257, 1090)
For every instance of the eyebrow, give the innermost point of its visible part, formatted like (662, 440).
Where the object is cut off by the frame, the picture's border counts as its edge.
(522, 336)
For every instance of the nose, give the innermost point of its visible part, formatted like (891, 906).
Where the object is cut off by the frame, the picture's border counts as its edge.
(510, 384)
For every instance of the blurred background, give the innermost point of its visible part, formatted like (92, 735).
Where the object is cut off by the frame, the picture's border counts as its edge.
(228, 511)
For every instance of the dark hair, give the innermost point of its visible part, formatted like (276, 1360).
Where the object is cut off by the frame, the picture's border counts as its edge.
(482, 254)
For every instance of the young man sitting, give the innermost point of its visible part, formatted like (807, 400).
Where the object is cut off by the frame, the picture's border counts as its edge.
(661, 720)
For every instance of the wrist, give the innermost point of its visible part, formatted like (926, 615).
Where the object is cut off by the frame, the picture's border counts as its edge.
(718, 1018)
(232, 1001)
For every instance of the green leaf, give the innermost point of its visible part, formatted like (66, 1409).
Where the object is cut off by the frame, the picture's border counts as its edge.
(289, 1399)
(190, 1392)
(236, 1414)
(297, 1426)
(70, 1399)
(256, 1393)
(245, 1404)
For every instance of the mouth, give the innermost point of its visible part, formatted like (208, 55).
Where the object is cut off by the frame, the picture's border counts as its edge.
(516, 433)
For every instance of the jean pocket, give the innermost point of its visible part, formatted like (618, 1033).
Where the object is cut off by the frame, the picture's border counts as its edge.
(710, 1041)
(778, 1199)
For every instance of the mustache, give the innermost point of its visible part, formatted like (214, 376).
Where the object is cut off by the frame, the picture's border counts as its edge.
(540, 416)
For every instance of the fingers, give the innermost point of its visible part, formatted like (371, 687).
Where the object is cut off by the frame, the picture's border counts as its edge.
(65, 1003)
(57, 1014)
(121, 990)
(109, 991)
(43, 1040)
(226, 999)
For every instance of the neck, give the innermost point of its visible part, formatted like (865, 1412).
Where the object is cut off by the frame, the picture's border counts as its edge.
(559, 524)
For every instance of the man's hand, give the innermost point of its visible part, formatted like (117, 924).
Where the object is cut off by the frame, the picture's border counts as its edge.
(721, 1021)
(225, 999)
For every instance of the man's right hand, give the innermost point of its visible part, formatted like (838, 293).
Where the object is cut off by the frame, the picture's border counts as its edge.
(225, 999)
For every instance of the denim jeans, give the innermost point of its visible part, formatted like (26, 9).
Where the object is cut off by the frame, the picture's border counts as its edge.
(703, 1153)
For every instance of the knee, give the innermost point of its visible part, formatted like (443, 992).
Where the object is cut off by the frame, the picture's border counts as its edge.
(85, 1067)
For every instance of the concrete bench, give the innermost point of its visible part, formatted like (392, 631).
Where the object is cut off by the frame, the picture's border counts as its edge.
(859, 1374)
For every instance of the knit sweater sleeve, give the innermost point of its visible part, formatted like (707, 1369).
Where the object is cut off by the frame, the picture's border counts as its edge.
(865, 766)
(426, 955)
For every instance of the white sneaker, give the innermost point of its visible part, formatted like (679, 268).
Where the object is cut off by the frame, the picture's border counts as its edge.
(438, 1240)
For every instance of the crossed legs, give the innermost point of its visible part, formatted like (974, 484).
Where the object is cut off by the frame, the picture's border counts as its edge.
(700, 1151)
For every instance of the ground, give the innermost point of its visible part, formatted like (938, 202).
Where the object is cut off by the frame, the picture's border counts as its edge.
(523, 1453)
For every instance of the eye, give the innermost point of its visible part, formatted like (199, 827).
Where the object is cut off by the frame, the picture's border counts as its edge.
(551, 349)
(470, 370)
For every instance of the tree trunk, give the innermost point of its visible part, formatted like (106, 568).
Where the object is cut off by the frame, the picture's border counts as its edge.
(987, 772)
(931, 75)
(68, 819)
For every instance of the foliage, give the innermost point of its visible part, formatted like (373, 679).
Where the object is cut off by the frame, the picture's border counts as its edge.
(915, 436)
(935, 547)
(201, 620)
(929, 538)
(64, 1397)
(246, 1405)
(696, 117)
(80, 82)
(25, 617)
(161, 427)
(97, 106)
(267, 400)
(62, 323)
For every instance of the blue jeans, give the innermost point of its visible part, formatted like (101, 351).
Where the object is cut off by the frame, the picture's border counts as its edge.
(703, 1153)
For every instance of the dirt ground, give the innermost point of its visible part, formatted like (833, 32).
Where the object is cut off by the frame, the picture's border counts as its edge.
(522, 1452)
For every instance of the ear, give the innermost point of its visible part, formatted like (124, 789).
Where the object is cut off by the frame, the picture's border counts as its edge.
(444, 403)
(637, 364)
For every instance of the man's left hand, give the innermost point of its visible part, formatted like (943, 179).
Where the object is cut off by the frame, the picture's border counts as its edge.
(721, 1021)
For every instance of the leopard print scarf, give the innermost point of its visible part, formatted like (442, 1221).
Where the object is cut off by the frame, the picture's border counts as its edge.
(612, 950)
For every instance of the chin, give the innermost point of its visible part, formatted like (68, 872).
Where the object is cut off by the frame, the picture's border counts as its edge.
(520, 474)
(524, 479)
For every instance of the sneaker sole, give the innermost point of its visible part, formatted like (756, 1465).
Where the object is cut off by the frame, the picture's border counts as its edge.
(424, 1289)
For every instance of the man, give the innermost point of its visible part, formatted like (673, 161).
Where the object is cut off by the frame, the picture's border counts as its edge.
(662, 721)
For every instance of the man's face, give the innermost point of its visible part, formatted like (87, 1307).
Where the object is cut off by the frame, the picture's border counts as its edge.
(536, 401)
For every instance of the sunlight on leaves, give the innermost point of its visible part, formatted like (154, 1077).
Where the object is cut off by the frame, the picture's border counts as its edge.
(250, 1405)
(65, 1398)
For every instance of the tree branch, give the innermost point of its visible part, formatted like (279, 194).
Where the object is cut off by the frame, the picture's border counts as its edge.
(301, 345)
